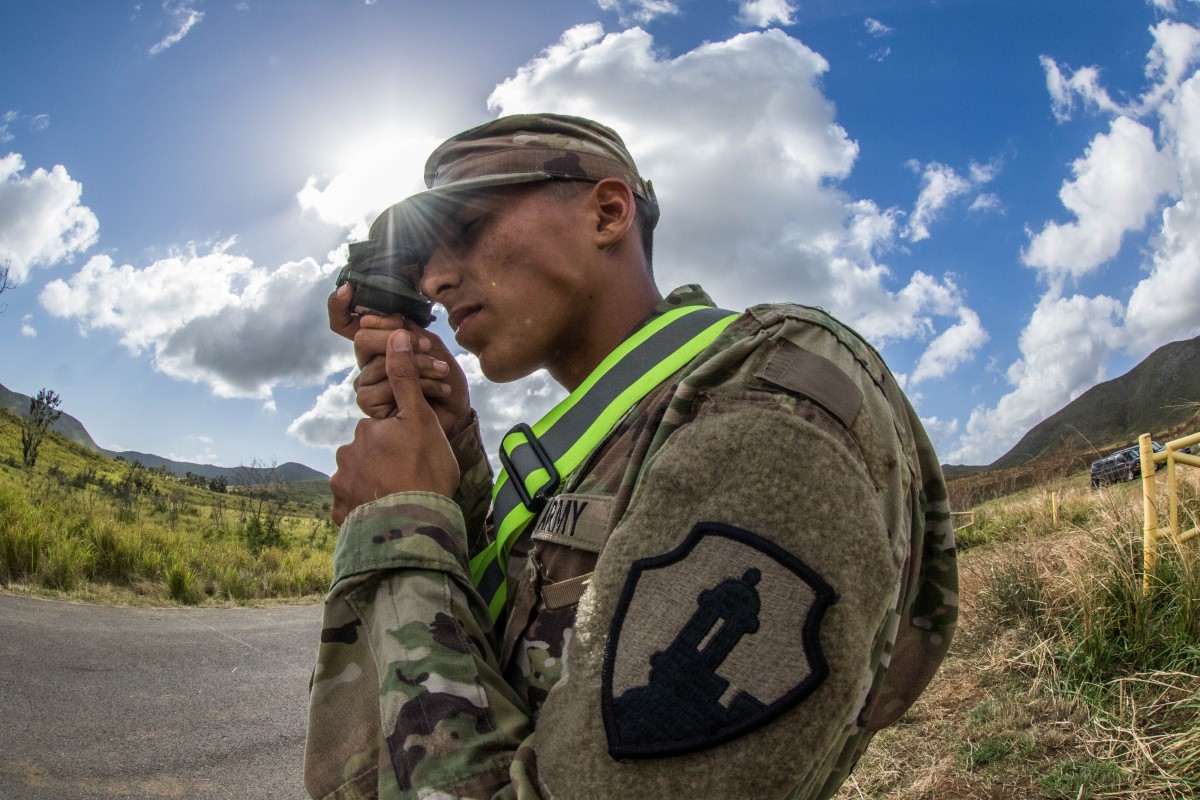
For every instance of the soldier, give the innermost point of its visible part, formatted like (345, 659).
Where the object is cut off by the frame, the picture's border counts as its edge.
(713, 571)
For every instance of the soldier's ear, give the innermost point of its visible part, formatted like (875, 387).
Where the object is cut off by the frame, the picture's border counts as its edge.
(614, 210)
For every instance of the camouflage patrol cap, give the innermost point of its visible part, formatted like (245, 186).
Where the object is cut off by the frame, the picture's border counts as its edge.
(524, 148)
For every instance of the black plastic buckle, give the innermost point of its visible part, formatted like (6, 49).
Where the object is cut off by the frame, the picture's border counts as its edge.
(538, 501)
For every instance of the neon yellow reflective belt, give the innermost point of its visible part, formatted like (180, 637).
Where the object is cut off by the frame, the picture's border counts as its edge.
(537, 458)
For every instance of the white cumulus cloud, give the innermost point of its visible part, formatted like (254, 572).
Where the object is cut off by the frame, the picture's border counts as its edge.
(987, 201)
(212, 318)
(940, 186)
(765, 13)
(952, 347)
(639, 12)
(1064, 352)
(330, 422)
(378, 173)
(1165, 305)
(876, 28)
(1175, 51)
(41, 220)
(36, 123)
(1116, 185)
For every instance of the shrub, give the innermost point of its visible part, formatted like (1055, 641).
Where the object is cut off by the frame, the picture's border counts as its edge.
(118, 554)
(182, 584)
(65, 565)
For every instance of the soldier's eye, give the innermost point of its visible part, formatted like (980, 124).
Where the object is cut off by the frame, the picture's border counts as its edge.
(470, 229)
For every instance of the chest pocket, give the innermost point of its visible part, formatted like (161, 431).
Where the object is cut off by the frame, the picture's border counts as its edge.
(566, 542)
(570, 534)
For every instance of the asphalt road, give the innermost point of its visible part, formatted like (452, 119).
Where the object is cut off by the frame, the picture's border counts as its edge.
(99, 702)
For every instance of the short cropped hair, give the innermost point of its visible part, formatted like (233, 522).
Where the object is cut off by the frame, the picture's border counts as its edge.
(566, 190)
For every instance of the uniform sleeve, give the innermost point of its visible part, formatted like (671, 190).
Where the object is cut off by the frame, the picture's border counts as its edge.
(406, 699)
(474, 496)
(734, 626)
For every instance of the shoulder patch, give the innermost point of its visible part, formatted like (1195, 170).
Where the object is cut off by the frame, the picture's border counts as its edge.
(803, 372)
(710, 641)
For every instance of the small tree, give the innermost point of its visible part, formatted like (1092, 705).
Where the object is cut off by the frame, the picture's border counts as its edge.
(263, 499)
(134, 484)
(43, 412)
(5, 280)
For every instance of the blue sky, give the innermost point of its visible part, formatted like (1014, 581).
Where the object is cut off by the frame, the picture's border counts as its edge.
(1003, 195)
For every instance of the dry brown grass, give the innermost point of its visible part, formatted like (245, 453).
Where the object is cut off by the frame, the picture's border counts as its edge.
(1003, 719)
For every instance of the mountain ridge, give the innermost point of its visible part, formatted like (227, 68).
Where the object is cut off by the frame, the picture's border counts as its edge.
(74, 430)
(1159, 396)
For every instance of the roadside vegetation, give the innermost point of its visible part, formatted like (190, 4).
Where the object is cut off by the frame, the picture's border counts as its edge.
(82, 526)
(1065, 681)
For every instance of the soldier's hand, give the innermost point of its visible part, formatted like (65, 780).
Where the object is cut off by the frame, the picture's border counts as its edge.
(407, 451)
(442, 380)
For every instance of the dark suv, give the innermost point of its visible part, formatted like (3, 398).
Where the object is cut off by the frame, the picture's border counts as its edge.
(1123, 465)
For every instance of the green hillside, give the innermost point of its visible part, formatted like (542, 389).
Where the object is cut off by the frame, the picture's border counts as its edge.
(88, 526)
(73, 429)
(1160, 396)
(66, 425)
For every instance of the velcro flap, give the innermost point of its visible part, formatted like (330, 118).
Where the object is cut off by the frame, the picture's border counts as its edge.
(803, 372)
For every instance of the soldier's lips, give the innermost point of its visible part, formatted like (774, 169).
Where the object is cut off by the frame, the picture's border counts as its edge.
(461, 320)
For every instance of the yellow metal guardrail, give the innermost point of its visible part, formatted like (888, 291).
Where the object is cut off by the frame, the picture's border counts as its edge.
(1152, 531)
(957, 519)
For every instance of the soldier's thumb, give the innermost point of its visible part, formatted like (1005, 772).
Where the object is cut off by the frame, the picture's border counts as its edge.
(403, 374)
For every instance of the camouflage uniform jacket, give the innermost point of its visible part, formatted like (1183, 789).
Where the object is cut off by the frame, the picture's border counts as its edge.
(782, 468)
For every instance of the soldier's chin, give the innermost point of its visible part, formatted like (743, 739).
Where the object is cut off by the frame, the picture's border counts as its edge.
(498, 369)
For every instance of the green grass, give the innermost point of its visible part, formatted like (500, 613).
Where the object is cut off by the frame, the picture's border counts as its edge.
(1072, 777)
(1094, 634)
(1066, 680)
(84, 526)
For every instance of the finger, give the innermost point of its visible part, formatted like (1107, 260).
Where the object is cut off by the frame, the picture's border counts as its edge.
(375, 371)
(391, 322)
(432, 366)
(338, 487)
(341, 320)
(435, 390)
(404, 376)
(377, 401)
(369, 343)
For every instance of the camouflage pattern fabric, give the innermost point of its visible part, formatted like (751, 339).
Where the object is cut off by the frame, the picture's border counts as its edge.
(415, 696)
(524, 147)
(517, 149)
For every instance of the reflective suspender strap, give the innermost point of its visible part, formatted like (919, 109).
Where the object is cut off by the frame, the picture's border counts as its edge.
(535, 458)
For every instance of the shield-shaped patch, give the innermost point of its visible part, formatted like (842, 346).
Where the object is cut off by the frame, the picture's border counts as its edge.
(709, 641)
